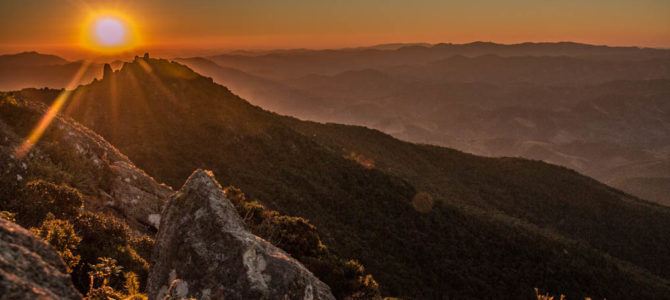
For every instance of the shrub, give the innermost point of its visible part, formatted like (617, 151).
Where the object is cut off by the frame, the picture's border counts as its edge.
(102, 272)
(82, 174)
(132, 286)
(143, 246)
(346, 278)
(107, 271)
(60, 235)
(40, 197)
(105, 236)
(9, 216)
(547, 296)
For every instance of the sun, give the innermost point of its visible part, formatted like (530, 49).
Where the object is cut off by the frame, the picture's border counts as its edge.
(109, 32)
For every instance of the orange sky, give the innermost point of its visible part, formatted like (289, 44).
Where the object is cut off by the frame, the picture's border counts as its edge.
(196, 27)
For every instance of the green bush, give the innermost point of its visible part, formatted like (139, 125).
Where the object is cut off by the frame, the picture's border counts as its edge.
(346, 278)
(132, 286)
(9, 216)
(60, 235)
(92, 237)
(102, 273)
(143, 246)
(105, 236)
(40, 197)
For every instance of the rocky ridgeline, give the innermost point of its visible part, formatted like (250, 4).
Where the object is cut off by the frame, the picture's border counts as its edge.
(30, 268)
(128, 193)
(204, 251)
(202, 248)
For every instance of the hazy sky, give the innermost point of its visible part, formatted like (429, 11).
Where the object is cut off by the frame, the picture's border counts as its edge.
(209, 25)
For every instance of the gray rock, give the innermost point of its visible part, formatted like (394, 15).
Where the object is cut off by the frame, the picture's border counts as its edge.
(130, 194)
(203, 244)
(136, 195)
(30, 268)
(133, 194)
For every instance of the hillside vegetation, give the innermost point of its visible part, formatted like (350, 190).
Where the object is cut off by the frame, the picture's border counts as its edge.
(427, 222)
(602, 111)
(41, 191)
(56, 190)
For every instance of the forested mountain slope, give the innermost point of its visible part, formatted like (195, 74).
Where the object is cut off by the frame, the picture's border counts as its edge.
(425, 221)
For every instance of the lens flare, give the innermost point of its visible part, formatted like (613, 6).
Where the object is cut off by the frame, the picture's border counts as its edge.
(50, 114)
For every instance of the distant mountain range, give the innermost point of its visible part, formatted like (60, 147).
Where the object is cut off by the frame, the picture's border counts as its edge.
(426, 221)
(30, 59)
(600, 110)
(597, 109)
(35, 70)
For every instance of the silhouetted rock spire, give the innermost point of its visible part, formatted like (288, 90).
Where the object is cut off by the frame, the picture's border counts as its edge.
(106, 71)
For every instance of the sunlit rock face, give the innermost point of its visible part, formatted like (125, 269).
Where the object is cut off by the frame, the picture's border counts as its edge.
(113, 183)
(30, 268)
(203, 251)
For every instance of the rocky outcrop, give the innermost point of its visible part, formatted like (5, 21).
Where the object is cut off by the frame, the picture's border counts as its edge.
(106, 71)
(30, 268)
(122, 189)
(203, 244)
(133, 194)
(136, 195)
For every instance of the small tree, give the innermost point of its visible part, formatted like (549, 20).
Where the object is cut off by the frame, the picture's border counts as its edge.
(102, 272)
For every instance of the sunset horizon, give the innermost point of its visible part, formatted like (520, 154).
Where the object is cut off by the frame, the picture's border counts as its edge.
(334, 150)
(266, 25)
(166, 51)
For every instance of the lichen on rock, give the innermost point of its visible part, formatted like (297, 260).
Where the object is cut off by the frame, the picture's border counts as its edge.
(30, 268)
(204, 246)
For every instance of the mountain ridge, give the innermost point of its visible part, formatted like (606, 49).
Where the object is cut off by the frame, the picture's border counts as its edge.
(316, 175)
(31, 58)
(514, 107)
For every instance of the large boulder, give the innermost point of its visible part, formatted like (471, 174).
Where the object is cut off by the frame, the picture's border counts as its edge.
(203, 244)
(30, 268)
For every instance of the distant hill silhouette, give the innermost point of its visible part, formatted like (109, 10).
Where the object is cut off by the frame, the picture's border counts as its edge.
(597, 109)
(30, 59)
(36, 70)
(426, 221)
(282, 65)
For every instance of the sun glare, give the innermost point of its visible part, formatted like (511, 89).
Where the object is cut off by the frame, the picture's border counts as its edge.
(109, 32)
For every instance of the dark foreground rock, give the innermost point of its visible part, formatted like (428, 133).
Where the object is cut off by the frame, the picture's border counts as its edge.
(202, 242)
(30, 268)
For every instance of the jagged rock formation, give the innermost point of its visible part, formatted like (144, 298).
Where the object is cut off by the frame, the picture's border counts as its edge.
(106, 70)
(305, 169)
(30, 268)
(111, 183)
(202, 242)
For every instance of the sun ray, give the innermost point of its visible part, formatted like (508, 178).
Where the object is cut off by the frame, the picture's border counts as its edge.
(143, 103)
(147, 68)
(114, 105)
(51, 113)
